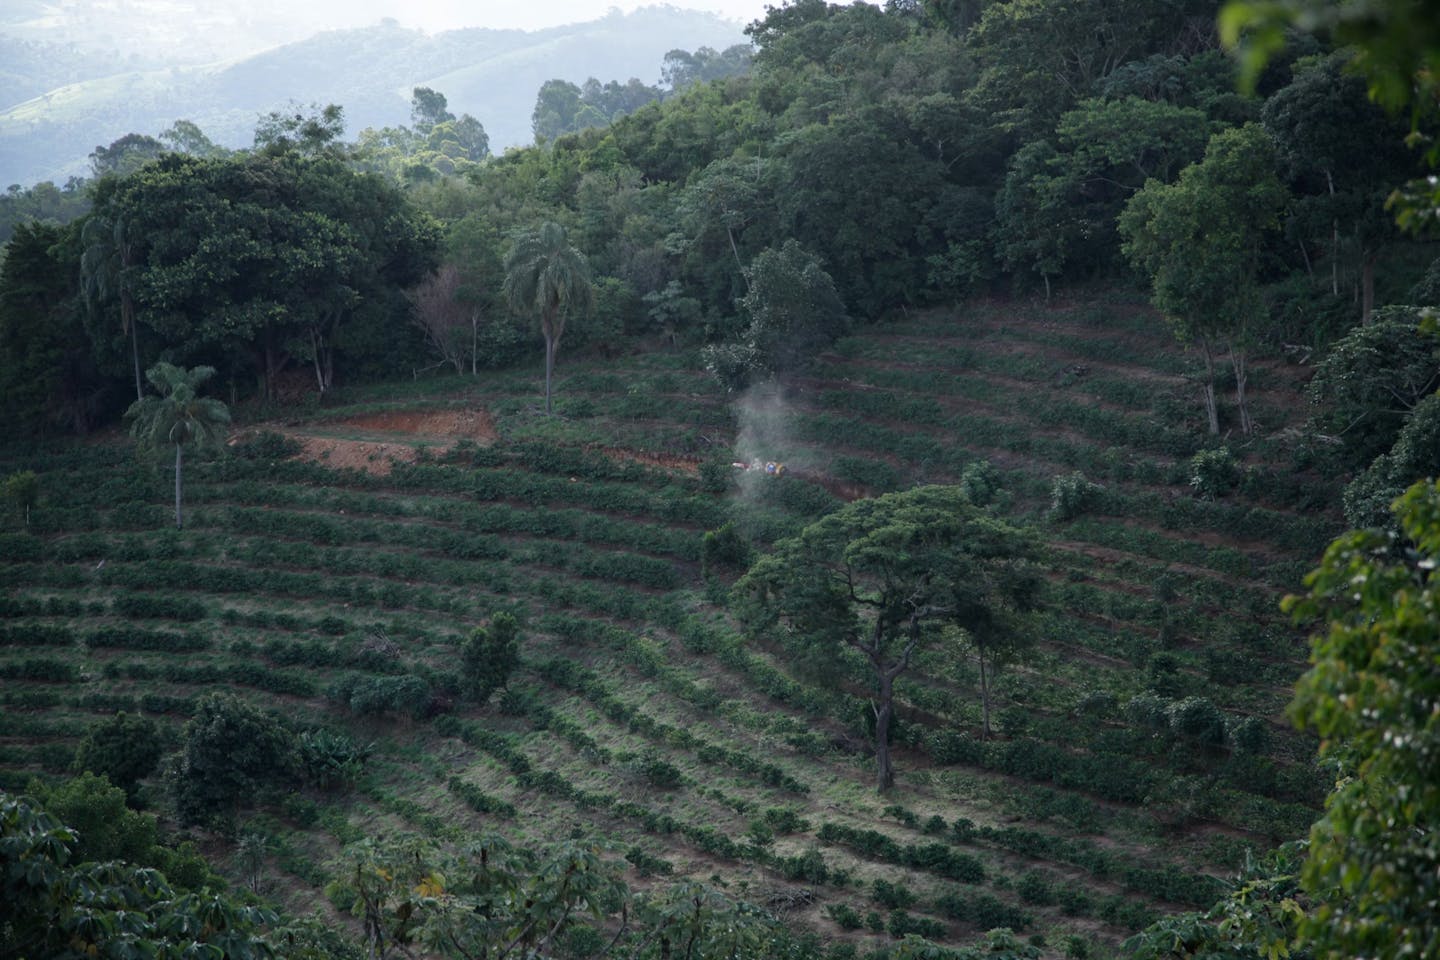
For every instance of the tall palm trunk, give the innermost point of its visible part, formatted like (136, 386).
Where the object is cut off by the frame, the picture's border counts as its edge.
(179, 457)
(550, 327)
(127, 316)
(549, 368)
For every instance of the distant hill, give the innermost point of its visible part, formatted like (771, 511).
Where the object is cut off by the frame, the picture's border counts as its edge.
(490, 74)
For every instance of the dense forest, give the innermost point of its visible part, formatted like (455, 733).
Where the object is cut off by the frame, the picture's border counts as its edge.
(1221, 222)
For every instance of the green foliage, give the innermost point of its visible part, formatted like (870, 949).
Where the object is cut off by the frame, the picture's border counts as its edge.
(407, 695)
(22, 490)
(124, 749)
(330, 758)
(725, 547)
(179, 416)
(896, 896)
(808, 866)
(229, 750)
(44, 357)
(793, 310)
(984, 910)
(1071, 495)
(155, 606)
(1373, 862)
(257, 251)
(54, 907)
(880, 575)
(106, 828)
(1197, 720)
(936, 858)
(1213, 473)
(660, 773)
(1258, 917)
(1416, 454)
(547, 278)
(489, 657)
(410, 892)
(1369, 382)
(647, 865)
(845, 915)
(980, 483)
(266, 445)
(1201, 241)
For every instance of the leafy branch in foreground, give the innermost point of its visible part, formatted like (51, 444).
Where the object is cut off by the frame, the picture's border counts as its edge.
(488, 899)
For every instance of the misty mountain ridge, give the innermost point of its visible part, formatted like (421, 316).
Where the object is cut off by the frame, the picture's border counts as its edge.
(492, 74)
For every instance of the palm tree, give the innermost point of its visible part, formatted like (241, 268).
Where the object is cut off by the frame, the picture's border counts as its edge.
(546, 276)
(179, 415)
(108, 253)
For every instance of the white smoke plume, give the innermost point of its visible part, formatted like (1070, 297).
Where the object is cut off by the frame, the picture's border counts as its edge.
(765, 435)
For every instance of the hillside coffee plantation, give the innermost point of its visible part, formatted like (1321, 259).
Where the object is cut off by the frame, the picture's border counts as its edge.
(882, 494)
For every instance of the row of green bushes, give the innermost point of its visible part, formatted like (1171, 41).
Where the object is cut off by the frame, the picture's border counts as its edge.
(936, 858)
(16, 605)
(480, 801)
(210, 673)
(569, 675)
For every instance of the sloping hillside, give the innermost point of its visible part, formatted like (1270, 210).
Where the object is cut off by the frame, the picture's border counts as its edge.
(1108, 794)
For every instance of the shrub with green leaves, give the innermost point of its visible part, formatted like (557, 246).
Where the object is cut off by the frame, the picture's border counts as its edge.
(489, 656)
(1213, 473)
(726, 547)
(1071, 495)
(331, 757)
(124, 749)
(660, 773)
(229, 749)
(1197, 720)
(896, 896)
(980, 482)
(21, 490)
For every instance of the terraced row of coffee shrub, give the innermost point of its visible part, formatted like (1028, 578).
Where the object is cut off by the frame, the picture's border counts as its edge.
(640, 710)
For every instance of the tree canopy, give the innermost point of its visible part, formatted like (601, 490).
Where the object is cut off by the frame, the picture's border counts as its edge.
(882, 576)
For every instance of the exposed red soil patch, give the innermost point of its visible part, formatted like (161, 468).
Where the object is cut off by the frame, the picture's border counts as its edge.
(474, 424)
(365, 455)
(401, 433)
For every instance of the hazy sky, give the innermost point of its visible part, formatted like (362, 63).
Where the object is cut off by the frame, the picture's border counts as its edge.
(196, 30)
(435, 15)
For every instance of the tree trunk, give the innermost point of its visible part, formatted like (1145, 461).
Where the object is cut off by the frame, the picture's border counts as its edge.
(1212, 410)
(549, 368)
(984, 695)
(315, 352)
(1240, 362)
(735, 250)
(884, 772)
(475, 342)
(129, 314)
(1046, 277)
(179, 456)
(1334, 242)
(1367, 289)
